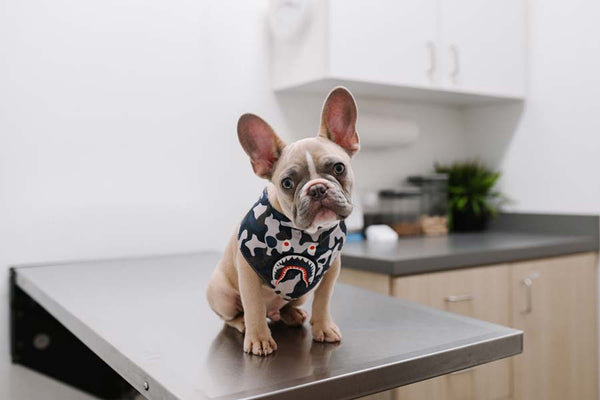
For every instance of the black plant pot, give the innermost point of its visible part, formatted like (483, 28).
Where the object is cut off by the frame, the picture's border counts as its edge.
(468, 221)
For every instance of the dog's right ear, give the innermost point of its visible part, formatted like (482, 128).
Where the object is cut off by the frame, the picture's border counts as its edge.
(338, 120)
(260, 142)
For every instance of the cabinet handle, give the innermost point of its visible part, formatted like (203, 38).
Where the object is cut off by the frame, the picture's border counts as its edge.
(528, 283)
(431, 59)
(455, 62)
(459, 298)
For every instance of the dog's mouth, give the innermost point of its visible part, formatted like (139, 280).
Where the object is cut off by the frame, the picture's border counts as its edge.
(287, 264)
(324, 217)
(323, 213)
(332, 210)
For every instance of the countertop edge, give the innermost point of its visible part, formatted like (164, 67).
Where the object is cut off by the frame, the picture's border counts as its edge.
(447, 262)
(488, 350)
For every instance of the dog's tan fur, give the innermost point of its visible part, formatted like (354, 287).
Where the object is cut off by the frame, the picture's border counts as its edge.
(236, 292)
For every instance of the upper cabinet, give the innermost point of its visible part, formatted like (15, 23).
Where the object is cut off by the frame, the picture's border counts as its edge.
(482, 44)
(384, 41)
(456, 51)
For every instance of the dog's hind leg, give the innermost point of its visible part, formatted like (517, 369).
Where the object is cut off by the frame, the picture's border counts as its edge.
(237, 323)
(222, 298)
(226, 303)
(222, 294)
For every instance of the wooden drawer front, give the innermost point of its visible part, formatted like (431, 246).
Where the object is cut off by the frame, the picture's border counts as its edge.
(482, 293)
(378, 283)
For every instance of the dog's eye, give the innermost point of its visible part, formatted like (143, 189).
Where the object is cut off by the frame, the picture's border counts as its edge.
(287, 184)
(339, 168)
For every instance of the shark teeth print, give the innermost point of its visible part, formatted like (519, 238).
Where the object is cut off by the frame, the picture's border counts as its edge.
(295, 262)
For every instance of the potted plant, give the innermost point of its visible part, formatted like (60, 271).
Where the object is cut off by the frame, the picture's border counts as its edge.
(471, 198)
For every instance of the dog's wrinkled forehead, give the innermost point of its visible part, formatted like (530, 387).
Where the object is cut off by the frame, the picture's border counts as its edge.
(303, 157)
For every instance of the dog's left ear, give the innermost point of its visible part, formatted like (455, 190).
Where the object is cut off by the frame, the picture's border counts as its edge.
(338, 120)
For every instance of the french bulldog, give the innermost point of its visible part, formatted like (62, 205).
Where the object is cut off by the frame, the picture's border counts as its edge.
(288, 245)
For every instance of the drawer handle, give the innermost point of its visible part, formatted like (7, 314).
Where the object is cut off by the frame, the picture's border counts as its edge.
(528, 283)
(462, 371)
(459, 298)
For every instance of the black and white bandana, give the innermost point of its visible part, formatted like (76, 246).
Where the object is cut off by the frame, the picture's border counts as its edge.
(289, 260)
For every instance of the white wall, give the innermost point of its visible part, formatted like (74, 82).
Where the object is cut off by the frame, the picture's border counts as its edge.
(550, 157)
(117, 134)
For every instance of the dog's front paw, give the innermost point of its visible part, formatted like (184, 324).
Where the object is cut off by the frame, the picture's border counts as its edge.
(326, 331)
(259, 343)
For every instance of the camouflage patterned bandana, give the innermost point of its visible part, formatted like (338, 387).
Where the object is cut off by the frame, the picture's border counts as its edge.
(289, 260)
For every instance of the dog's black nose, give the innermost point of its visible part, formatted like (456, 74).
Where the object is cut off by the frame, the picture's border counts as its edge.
(317, 191)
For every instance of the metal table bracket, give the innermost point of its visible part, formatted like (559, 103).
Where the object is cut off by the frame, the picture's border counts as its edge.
(40, 342)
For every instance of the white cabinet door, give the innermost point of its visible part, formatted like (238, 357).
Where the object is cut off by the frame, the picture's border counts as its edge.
(384, 41)
(483, 46)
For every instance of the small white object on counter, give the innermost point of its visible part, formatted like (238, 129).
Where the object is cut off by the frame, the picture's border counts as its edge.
(381, 233)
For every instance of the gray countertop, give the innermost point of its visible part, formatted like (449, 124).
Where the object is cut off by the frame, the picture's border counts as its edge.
(148, 319)
(416, 255)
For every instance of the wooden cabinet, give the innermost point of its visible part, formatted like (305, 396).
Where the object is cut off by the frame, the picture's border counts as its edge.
(553, 300)
(374, 282)
(444, 50)
(482, 293)
(555, 304)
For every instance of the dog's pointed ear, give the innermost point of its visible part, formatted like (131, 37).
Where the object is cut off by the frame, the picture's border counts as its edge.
(260, 142)
(338, 120)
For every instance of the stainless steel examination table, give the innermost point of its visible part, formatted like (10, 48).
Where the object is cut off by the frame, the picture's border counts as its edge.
(109, 326)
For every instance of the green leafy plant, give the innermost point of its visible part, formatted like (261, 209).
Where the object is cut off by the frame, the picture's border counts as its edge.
(470, 190)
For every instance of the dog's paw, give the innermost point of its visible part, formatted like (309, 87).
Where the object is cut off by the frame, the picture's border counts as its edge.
(259, 343)
(293, 316)
(326, 331)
